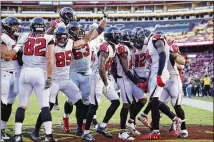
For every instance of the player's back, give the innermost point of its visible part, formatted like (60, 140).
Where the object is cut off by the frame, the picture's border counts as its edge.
(34, 49)
(62, 61)
(11, 65)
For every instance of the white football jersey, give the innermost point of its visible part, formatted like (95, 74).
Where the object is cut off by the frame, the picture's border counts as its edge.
(139, 61)
(11, 65)
(106, 47)
(154, 56)
(120, 50)
(81, 59)
(62, 61)
(34, 49)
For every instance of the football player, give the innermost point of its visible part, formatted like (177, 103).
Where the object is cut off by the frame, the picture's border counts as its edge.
(80, 70)
(103, 82)
(129, 85)
(158, 54)
(173, 89)
(36, 75)
(10, 70)
(66, 15)
(61, 80)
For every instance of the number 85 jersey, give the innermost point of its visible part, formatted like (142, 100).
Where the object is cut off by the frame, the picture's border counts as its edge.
(62, 61)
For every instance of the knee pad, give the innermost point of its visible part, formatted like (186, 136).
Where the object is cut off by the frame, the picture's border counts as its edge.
(143, 101)
(115, 103)
(46, 115)
(20, 115)
(126, 105)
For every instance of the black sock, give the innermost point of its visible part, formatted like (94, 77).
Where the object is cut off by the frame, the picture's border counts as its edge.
(85, 108)
(136, 110)
(89, 117)
(20, 115)
(6, 112)
(68, 108)
(147, 109)
(123, 117)
(155, 113)
(132, 106)
(111, 110)
(79, 112)
(180, 113)
(39, 119)
(166, 110)
(56, 99)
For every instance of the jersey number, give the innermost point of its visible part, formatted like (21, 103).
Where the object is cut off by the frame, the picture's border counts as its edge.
(29, 47)
(109, 63)
(63, 58)
(78, 54)
(15, 57)
(140, 60)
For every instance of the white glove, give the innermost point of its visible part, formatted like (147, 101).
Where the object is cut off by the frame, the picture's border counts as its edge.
(106, 89)
(94, 26)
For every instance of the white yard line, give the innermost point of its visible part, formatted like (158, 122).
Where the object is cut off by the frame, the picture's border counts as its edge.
(198, 104)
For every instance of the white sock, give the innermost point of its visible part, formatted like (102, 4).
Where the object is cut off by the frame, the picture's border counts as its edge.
(3, 125)
(18, 128)
(86, 132)
(84, 121)
(48, 127)
(103, 125)
(66, 115)
(156, 131)
(94, 117)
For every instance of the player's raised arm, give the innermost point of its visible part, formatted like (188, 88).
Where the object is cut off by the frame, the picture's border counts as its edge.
(100, 28)
(84, 40)
(102, 71)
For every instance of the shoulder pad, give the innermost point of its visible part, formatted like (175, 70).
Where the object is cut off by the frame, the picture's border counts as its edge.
(121, 49)
(104, 47)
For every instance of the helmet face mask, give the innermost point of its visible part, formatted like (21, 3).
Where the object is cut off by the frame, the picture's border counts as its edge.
(37, 25)
(75, 31)
(112, 35)
(10, 25)
(61, 36)
(67, 15)
(140, 39)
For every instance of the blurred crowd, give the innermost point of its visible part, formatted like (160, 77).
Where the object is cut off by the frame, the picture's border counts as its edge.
(198, 76)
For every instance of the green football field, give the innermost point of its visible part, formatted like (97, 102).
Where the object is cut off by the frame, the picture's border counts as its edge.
(193, 115)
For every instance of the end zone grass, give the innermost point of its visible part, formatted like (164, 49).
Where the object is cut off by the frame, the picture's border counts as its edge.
(193, 115)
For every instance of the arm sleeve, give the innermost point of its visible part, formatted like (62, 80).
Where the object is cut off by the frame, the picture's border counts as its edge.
(162, 60)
